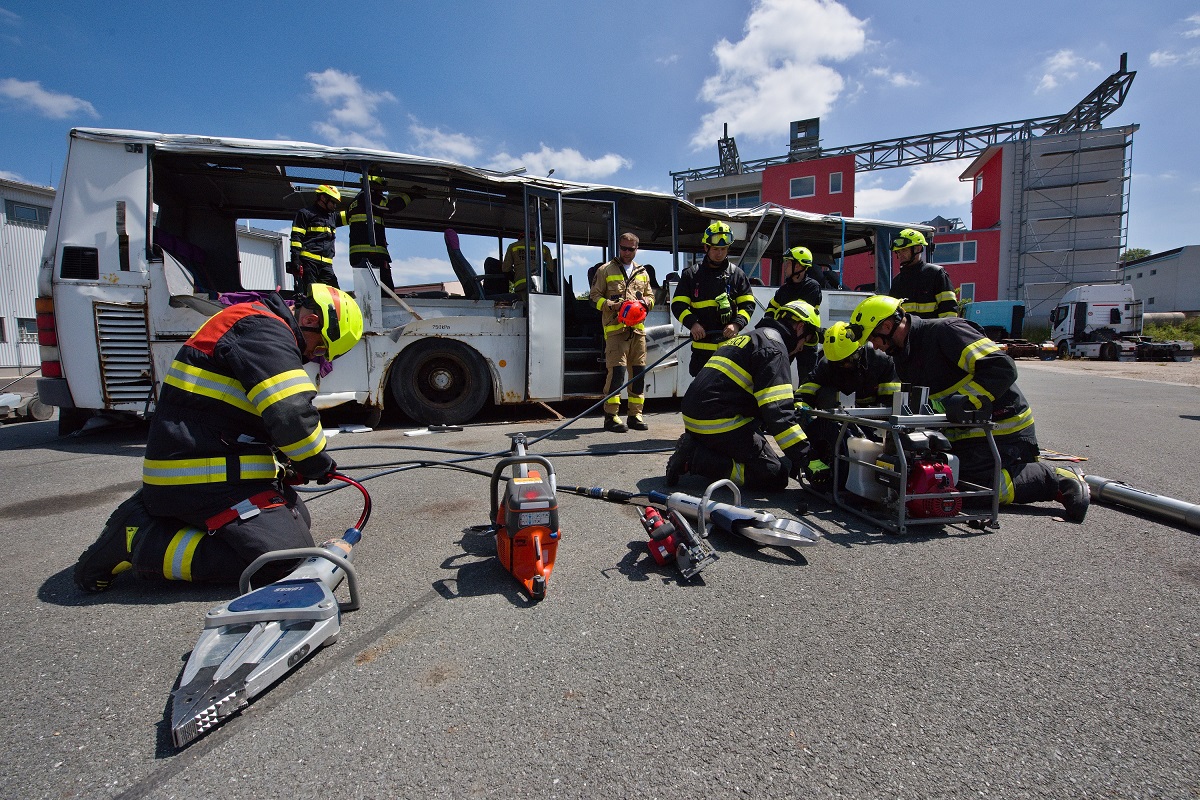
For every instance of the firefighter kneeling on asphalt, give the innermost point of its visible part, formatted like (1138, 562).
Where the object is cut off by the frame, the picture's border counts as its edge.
(962, 367)
(214, 498)
(745, 387)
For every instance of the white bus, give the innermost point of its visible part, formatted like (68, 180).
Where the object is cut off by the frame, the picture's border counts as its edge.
(143, 243)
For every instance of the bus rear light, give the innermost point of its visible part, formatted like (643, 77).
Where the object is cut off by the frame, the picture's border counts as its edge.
(47, 334)
(47, 338)
(52, 369)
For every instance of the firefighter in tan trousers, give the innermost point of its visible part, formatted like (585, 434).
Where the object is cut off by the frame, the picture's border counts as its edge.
(622, 293)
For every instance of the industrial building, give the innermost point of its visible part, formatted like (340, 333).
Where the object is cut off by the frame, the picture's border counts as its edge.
(1049, 209)
(1167, 281)
(26, 213)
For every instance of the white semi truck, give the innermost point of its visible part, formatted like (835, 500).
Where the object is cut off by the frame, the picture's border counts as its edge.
(1104, 322)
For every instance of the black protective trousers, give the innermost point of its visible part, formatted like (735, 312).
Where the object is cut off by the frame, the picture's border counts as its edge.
(161, 551)
(744, 456)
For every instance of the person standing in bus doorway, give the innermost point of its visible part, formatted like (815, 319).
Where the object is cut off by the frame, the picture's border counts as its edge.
(313, 239)
(798, 284)
(362, 252)
(622, 293)
(513, 265)
(713, 299)
(213, 496)
(925, 288)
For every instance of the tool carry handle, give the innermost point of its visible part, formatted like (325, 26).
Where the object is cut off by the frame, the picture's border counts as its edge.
(502, 464)
(304, 552)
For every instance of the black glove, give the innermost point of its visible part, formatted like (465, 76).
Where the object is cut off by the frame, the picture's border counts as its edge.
(800, 455)
(328, 476)
(293, 478)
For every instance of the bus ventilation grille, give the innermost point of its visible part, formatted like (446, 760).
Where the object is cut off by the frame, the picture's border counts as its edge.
(126, 369)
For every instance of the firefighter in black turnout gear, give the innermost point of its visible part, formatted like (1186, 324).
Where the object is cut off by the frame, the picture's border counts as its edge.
(713, 299)
(745, 389)
(213, 494)
(798, 284)
(313, 240)
(847, 366)
(925, 288)
(952, 357)
(362, 252)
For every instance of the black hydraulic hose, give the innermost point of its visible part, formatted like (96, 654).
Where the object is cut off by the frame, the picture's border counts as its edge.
(614, 392)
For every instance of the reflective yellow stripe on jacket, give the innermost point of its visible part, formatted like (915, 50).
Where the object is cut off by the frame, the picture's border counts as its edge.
(186, 471)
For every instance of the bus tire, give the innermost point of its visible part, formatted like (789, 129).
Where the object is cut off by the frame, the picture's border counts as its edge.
(440, 382)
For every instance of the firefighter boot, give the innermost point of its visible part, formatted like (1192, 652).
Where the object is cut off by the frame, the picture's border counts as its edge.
(1073, 493)
(680, 461)
(611, 423)
(110, 555)
(636, 422)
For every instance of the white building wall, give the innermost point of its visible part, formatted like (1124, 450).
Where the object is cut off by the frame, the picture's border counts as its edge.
(1167, 282)
(21, 243)
(262, 259)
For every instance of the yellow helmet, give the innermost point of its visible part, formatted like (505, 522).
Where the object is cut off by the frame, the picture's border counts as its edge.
(908, 238)
(798, 311)
(801, 255)
(839, 342)
(341, 318)
(874, 310)
(378, 180)
(331, 191)
(718, 234)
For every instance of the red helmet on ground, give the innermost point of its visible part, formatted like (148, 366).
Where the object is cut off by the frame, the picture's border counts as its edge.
(631, 313)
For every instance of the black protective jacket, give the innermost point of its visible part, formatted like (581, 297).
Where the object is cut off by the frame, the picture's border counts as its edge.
(872, 381)
(236, 391)
(695, 300)
(313, 234)
(806, 289)
(355, 216)
(953, 356)
(926, 290)
(748, 380)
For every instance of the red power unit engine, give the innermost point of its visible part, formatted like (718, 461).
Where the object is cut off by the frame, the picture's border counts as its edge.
(930, 476)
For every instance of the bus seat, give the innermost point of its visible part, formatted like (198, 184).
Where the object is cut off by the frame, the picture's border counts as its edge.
(462, 268)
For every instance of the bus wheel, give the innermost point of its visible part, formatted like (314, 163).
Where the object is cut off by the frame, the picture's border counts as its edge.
(440, 382)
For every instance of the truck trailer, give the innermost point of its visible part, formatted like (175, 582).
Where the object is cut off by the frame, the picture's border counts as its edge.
(1104, 322)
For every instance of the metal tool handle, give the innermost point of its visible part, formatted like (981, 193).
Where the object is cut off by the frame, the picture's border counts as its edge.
(304, 552)
(707, 496)
(509, 461)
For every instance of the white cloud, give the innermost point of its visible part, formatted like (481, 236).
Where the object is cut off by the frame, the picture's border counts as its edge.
(775, 73)
(49, 104)
(666, 61)
(934, 186)
(11, 176)
(1063, 66)
(1194, 31)
(417, 269)
(436, 143)
(9, 17)
(566, 163)
(352, 120)
(897, 79)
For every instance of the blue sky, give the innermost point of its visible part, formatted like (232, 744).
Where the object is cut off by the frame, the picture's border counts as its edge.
(619, 92)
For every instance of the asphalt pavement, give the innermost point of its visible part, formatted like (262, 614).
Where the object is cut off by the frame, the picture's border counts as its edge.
(1043, 659)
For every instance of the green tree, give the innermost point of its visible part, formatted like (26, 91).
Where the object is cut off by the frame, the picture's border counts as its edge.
(1133, 254)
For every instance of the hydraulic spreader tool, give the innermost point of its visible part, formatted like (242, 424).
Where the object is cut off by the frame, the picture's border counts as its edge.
(254, 640)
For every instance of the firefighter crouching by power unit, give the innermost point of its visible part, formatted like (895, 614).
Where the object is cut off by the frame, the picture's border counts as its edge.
(953, 358)
(747, 385)
(847, 366)
(713, 299)
(213, 496)
(621, 292)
